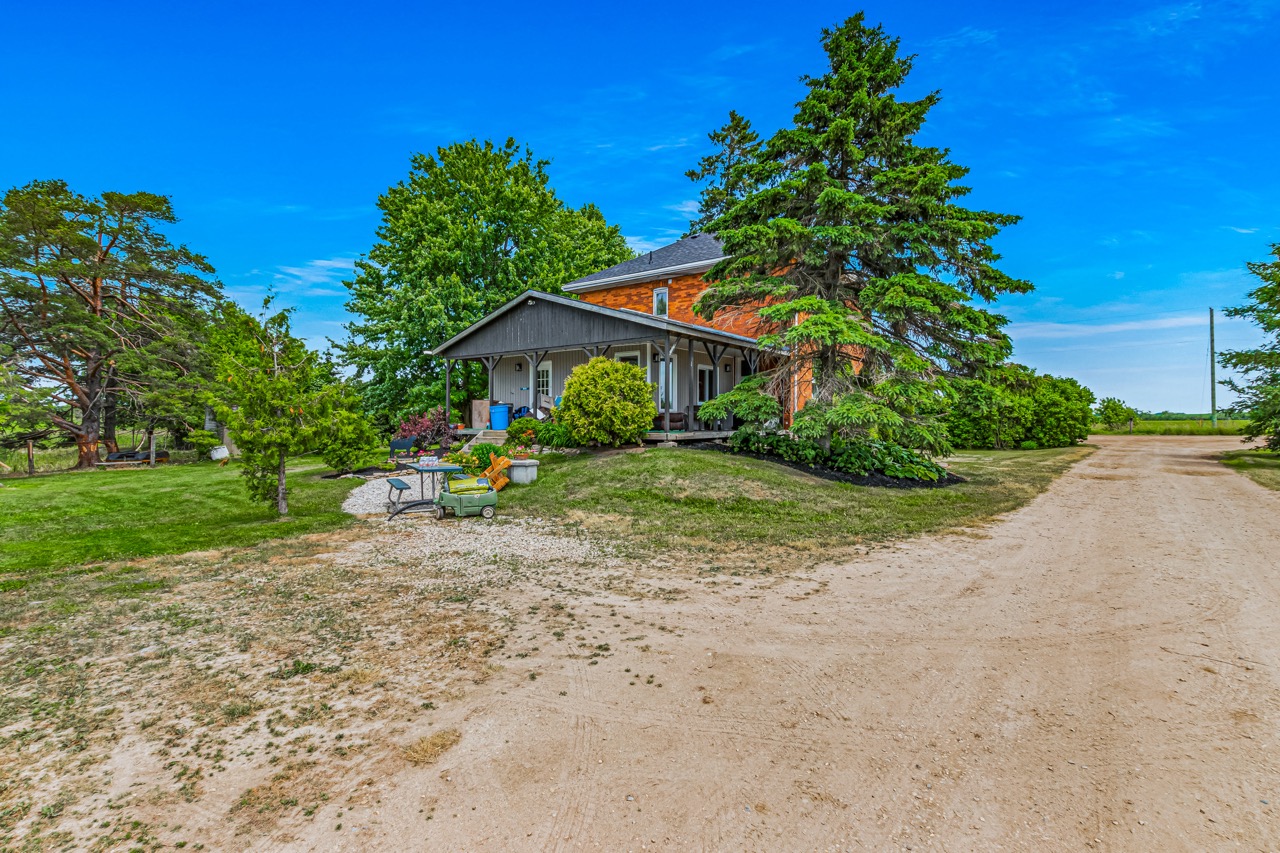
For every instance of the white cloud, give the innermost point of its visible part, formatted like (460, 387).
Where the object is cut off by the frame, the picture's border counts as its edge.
(314, 277)
(1075, 330)
(966, 37)
(663, 146)
(1243, 230)
(645, 244)
(1117, 275)
(685, 208)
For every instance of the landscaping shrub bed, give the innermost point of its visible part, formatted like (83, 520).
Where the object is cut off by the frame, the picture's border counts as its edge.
(869, 464)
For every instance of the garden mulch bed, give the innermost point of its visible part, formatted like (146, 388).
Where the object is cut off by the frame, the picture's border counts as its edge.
(879, 480)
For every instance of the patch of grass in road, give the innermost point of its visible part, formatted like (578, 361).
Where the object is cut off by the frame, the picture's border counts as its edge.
(77, 518)
(705, 499)
(1261, 466)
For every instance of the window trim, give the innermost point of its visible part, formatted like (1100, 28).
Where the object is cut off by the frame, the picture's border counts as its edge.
(619, 356)
(666, 301)
(710, 371)
(551, 377)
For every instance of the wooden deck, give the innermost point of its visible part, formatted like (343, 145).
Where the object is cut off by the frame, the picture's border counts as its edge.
(688, 435)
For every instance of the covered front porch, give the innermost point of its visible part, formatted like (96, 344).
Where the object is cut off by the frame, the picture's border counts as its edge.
(531, 345)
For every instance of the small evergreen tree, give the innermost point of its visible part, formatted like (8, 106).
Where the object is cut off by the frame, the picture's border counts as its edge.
(274, 399)
(1260, 390)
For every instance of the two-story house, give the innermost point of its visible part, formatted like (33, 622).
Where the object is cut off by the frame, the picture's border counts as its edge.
(639, 311)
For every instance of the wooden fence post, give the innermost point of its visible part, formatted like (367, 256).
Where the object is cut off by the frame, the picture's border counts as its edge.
(31, 458)
(152, 462)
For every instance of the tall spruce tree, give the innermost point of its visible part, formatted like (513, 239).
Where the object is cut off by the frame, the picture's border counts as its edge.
(1260, 389)
(868, 276)
(472, 228)
(736, 144)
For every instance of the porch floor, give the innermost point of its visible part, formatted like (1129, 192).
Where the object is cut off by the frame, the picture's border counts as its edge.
(688, 435)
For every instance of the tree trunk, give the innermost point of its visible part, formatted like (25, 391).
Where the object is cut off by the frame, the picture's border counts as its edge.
(282, 499)
(87, 437)
(109, 422)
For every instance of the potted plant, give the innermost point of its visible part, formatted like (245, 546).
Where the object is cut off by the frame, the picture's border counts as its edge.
(519, 452)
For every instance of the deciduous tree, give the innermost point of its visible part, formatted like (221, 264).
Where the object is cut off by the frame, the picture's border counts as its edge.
(852, 246)
(470, 229)
(1113, 413)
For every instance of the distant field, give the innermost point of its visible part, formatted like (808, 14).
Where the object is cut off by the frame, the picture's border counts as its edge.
(1190, 426)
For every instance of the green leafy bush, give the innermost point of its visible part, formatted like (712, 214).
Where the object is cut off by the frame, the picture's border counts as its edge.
(482, 450)
(346, 441)
(1018, 405)
(552, 434)
(523, 431)
(1113, 413)
(608, 402)
(859, 458)
(1028, 445)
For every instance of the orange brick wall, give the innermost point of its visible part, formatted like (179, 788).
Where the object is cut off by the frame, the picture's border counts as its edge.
(682, 292)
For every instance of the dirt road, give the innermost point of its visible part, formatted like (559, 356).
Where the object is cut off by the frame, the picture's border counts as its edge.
(1100, 669)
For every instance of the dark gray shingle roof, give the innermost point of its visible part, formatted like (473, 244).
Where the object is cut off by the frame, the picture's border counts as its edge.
(687, 250)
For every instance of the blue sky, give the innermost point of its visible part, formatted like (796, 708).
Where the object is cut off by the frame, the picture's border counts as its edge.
(1138, 141)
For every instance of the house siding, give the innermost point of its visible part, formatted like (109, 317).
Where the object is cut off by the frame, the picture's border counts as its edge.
(682, 292)
(512, 386)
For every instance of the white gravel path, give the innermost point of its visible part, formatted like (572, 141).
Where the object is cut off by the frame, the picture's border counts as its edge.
(371, 497)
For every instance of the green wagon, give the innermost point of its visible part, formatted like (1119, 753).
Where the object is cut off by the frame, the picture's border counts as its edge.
(464, 504)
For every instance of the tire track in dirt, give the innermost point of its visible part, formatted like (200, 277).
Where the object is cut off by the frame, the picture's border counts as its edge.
(1071, 677)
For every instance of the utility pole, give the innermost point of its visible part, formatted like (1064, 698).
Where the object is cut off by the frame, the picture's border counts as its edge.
(1213, 375)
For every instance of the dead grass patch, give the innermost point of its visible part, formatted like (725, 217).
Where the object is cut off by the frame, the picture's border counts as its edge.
(427, 750)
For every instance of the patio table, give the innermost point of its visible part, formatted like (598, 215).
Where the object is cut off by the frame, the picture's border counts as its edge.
(424, 502)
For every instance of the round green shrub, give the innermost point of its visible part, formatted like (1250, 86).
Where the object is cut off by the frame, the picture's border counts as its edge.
(608, 402)
(523, 431)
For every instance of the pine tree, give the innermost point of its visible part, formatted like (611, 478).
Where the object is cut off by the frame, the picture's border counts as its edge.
(275, 397)
(736, 145)
(95, 302)
(1260, 392)
(868, 275)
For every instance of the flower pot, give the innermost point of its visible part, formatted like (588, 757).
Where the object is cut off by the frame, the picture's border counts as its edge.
(520, 456)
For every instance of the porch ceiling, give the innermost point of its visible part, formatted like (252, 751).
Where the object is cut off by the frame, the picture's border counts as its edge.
(538, 322)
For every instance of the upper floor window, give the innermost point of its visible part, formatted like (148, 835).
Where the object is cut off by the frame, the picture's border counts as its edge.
(660, 302)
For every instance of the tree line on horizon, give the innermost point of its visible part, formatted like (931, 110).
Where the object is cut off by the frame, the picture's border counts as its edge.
(843, 233)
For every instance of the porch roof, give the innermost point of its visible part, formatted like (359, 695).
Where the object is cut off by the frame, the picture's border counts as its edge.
(536, 322)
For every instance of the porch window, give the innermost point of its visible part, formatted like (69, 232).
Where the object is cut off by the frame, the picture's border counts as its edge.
(660, 302)
(706, 382)
(629, 358)
(544, 379)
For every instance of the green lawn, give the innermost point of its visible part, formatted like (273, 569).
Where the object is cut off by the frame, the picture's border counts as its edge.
(1261, 466)
(1189, 426)
(654, 499)
(70, 519)
(715, 500)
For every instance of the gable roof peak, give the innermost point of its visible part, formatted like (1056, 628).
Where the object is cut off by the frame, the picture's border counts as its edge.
(688, 254)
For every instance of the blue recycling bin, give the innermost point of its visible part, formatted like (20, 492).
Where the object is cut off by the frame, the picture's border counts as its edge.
(500, 416)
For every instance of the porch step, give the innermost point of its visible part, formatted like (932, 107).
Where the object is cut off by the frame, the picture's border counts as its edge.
(488, 436)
